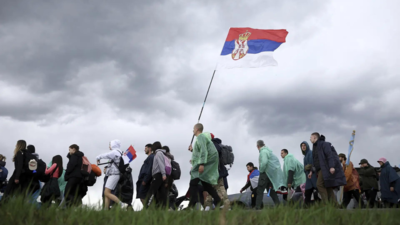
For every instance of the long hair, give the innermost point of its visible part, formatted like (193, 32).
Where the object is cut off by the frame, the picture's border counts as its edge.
(156, 145)
(21, 144)
(58, 160)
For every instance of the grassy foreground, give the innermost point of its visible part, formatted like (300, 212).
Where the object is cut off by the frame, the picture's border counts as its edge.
(17, 213)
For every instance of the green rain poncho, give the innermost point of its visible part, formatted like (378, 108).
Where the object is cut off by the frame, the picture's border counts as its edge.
(291, 163)
(204, 152)
(270, 165)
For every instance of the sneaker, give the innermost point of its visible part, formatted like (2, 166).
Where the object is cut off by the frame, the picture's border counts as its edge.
(123, 205)
(207, 208)
(282, 191)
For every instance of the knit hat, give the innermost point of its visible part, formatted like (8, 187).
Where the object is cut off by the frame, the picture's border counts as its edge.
(363, 161)
(212, 135)
(382, 160)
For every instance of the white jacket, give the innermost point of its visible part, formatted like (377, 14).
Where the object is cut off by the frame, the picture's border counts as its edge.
(114, 157)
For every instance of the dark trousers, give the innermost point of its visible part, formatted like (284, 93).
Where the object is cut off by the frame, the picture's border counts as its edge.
(349, 194)
(265, 183)
(254, 198)
(157, 188)
(371, 196)
(72, 195)
(194, 194)
(308, 193)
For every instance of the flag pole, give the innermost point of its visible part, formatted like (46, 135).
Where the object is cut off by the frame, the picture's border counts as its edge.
(205, 99)
(351, 148)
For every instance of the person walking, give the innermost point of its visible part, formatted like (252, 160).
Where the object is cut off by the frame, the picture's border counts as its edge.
(204, 166)
(159, 183)
(352, 188)
(21, 182)
(311, 183)
(51, 190)
(390, 184)
(113, 174)
(369, 184)
(252, 182)
(327, 167)
(145, 175)
(223, 174)
(293, 171)
(271, 175)
(73, 177)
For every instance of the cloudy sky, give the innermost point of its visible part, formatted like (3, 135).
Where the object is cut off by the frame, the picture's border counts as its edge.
(87, 72)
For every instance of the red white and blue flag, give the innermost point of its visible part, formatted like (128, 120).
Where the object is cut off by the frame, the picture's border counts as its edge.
(248, 47)
(129, 155)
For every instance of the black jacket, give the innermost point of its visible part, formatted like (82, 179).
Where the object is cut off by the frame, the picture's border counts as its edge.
(74, 166)
(223, 172)
(368, 177)
(147, 168)
(328, 158)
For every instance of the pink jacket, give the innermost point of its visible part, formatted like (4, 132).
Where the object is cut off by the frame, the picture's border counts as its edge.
(51, 169)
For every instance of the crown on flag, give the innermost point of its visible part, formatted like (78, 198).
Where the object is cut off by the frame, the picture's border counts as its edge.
(244, 36)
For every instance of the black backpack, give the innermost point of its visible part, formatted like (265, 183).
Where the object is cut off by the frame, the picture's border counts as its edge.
(91, 179)
(176, 170)
(122, 167)
(227, 156)
(39, 173)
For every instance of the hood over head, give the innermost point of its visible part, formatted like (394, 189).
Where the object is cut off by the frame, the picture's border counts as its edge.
(31, 149)
(307, 148)
(115, 144)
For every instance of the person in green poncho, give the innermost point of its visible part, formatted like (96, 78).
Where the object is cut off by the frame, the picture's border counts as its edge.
(271, 176)
(204, 166)
(293, 171)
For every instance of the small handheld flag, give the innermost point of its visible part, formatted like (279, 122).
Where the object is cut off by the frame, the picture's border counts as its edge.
(129, 155)
(351, 147)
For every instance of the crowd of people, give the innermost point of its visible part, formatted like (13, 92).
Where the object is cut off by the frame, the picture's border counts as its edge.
(322, 172)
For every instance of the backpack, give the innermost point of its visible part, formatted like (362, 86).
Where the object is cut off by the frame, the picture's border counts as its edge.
(39, 173)
(121, 165)
(90, 180)
(227, 156)
(176, 170)
(86, 168)
(168, 167)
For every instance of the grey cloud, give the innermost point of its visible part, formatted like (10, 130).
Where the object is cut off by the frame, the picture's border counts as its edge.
(46, 45)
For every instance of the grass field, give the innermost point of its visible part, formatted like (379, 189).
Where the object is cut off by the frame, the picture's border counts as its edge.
(17, 213)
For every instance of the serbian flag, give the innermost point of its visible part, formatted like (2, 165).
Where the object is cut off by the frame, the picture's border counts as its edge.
(248, 47)
(129, 155)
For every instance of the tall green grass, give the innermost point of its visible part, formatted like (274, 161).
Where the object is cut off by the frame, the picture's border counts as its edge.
(18, 212)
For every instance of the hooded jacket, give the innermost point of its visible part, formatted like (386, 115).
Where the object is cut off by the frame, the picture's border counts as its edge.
(74, 166)
(389, 178)
(114, 156)
(159, 162)
(223, 172)
(308, 161)
(327, 158)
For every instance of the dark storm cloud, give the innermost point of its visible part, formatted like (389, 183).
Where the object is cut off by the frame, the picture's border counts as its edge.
(46, 45)
(320, 106)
